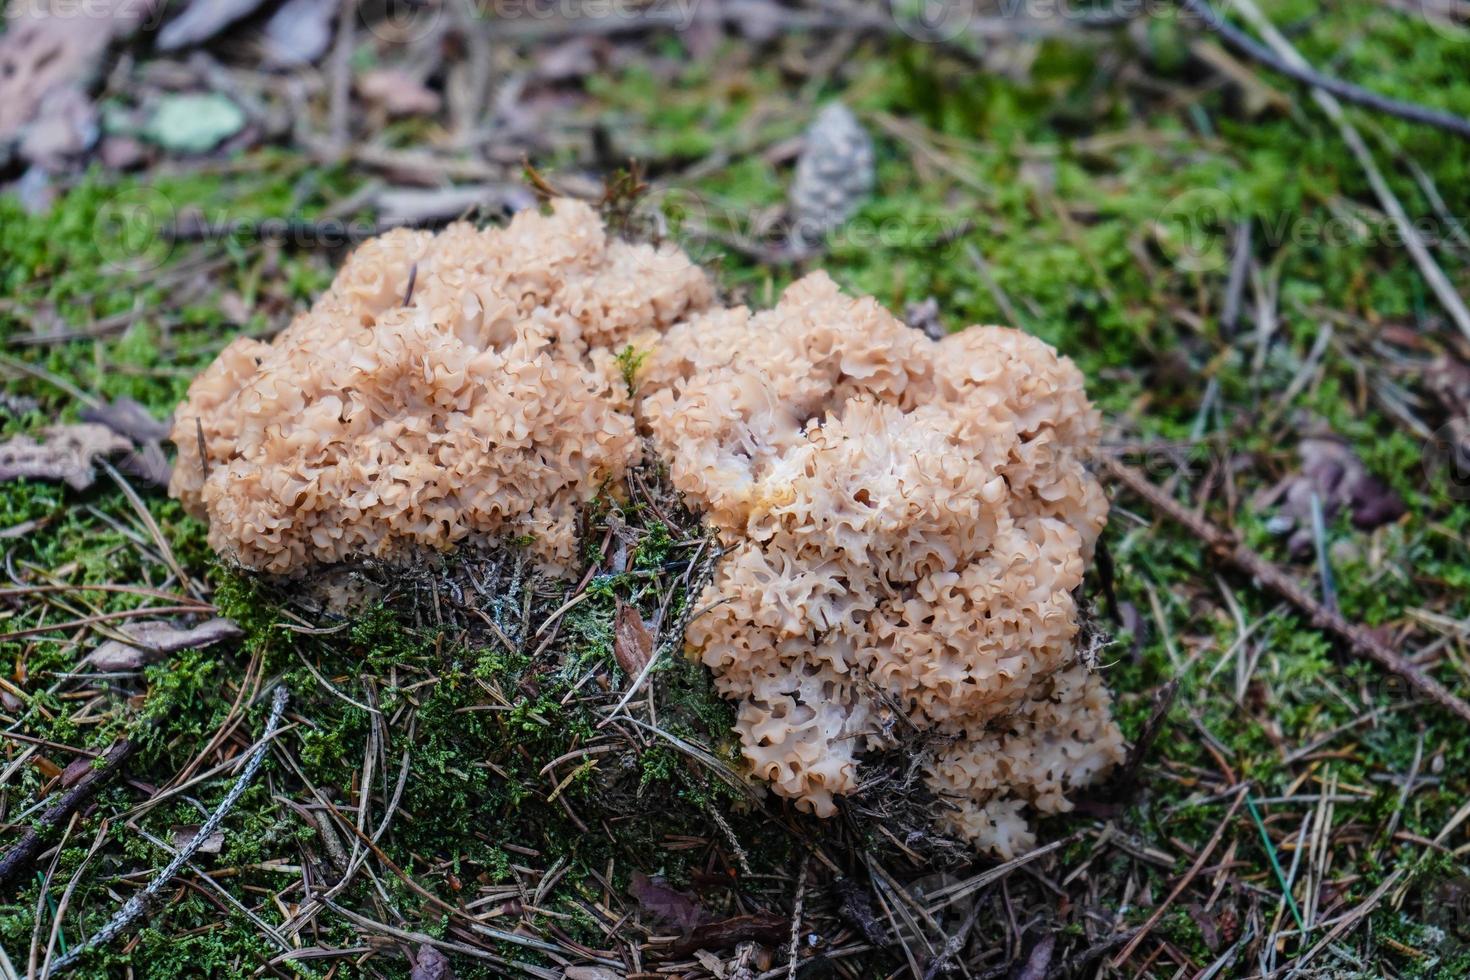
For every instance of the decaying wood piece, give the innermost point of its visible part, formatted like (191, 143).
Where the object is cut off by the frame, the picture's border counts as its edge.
(24, 851)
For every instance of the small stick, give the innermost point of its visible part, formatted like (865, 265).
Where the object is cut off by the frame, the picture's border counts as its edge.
(135, 906)
(413, 277)
(1227, 549)
(791, 962)
(1127, 781)
(24, 851)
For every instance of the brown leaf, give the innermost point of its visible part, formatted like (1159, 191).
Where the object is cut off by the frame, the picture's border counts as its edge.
(151, 641)
(1038, 964)
(48, 768)
(184, 834)
(632, 643)
(430, 964)
(1206, 924)
(1332, 472)
(78, 768)
(202, 20)
(924, 317)
(298, 32)
(857, 908)
(656, 897)
(65, 455)
(570, 60)
(64, 130)
(431, 205)
(148, 464)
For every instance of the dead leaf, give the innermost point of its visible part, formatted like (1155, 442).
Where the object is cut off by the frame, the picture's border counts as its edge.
(1332, 472)
(632, 643)
(184, 835)
(430, 964)
(122, 152)
(1206, 924)
(66, 454)
(591, 973)
(35, 189)
(572, 59)
(148, 464)
(857, 908)
(78, 768)
(127, 418)
(711, 962)
(48, 768)
(65, 128)
(666, 903)
(397, 92)
(924, 317)
(151, 641)
(1448, 379)
(422, 206)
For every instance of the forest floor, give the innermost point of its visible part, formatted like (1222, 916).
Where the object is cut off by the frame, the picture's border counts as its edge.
(442, 796)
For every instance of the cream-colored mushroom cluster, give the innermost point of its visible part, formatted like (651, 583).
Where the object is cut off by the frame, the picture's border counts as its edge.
(446, 386)
(905, 523)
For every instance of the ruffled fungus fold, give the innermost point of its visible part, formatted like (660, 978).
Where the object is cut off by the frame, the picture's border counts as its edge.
(905, 521)
(445, 386)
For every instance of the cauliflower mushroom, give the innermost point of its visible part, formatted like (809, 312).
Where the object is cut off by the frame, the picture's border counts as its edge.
(906, 522)
(445, 386)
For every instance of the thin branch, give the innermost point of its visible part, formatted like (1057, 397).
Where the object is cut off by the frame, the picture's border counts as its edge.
(1348, 92)
(1227, 549)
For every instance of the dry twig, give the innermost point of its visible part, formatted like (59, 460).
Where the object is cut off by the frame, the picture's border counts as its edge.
(1226, 548)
